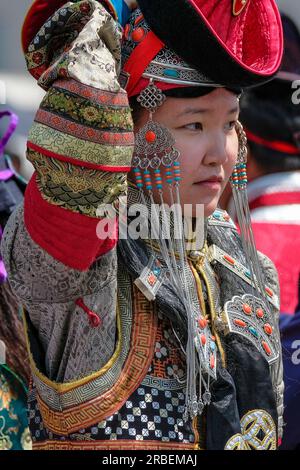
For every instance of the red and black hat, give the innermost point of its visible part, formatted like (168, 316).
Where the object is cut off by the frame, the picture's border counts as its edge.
(233, 42)
(38, 14)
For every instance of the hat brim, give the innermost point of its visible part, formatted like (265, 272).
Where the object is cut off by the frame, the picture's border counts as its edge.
(243, 50)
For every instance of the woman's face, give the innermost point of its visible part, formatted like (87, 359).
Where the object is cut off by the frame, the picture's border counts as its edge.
(204, 132)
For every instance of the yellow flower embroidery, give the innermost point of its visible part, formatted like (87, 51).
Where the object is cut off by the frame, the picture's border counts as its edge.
(6, 395)
(90, 114)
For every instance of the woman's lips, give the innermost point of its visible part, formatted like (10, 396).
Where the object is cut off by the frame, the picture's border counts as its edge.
(214, 184)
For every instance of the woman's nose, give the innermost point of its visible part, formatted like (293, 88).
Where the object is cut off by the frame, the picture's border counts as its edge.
(216, 153)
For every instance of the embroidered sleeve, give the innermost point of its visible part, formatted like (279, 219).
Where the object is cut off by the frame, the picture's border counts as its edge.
(81, 141)
(61, 305)
(80, 144)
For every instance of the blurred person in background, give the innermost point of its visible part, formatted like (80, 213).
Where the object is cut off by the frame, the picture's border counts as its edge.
(14, 373)
(271, 118)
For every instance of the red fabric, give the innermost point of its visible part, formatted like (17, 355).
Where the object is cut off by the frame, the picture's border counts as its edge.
(140, 59)
(74, 161)
(67, 236)
(283, 147)
(255, 42)
(38, 14)
(281, 243)
(275, 199)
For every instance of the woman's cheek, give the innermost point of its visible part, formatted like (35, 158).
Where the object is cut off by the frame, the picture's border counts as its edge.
(189, 154)
(233, 149)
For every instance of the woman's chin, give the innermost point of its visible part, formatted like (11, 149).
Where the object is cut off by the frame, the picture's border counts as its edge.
(199, 210)
(209, 209)
(204, 209)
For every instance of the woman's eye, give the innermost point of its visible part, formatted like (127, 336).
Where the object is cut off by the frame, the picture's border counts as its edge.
(195, 126)
(230, 125)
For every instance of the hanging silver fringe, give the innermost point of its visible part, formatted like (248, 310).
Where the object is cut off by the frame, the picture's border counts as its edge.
(238, 182)
(154, 153)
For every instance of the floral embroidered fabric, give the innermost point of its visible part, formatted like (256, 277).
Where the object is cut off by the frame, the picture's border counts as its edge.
(14, 431)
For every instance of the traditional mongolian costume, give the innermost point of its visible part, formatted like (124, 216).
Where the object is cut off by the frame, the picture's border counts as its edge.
(141, 344)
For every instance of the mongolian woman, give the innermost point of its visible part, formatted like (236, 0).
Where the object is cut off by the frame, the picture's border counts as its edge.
(162, 342)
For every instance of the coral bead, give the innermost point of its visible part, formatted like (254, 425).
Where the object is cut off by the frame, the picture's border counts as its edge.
(268, 329)
(259, 313)
(202, 323)
(269, 292)
(247, 309)
(229, 259)
(138, 34)
(266, 348)
(203, 340)
(240, 323)
(150, 136)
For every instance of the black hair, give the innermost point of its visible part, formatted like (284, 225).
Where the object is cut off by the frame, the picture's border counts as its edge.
(269, 113)
(181, 92)
(271, 161)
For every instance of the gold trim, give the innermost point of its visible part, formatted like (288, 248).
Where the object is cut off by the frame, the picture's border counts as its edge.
(195, 422)
(67, 386)
(236, 12)
(121, 444)
(199, 288)
(142, 342)
(251, 425)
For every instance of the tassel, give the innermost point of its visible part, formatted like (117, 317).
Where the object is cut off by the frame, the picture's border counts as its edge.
(95, 321)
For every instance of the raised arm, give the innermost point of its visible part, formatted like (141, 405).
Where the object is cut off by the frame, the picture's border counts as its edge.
(81, 146)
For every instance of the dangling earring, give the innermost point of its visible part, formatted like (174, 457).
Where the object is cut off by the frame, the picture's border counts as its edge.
(155, 149)
(238, 182)
(154, 143)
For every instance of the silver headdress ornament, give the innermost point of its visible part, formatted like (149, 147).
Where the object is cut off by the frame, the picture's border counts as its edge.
(156, 159)
(167, 66)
